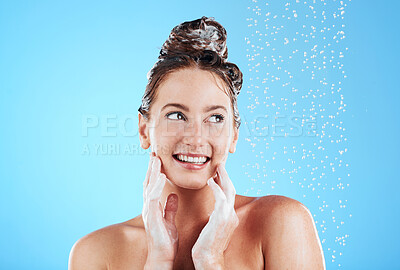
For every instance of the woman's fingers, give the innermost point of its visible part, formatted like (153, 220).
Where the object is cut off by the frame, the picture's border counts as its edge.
(224, 210)
(171, 208)
(155, 170)
(171, 205)
(146, 180)
(223, 221)
(156, 188)
(161, 232)
(154, 174)
(226, 184)
(219, 195)
(154, 208)
(152, 189)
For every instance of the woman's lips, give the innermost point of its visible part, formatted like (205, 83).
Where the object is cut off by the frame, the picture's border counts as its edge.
(191, 166)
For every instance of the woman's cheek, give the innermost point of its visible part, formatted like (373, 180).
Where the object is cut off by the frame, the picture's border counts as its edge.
(221, 148)
(161, 135)
(216, 130)
(169, 128)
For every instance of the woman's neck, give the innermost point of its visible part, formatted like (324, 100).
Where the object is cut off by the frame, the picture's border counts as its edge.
(194, 205)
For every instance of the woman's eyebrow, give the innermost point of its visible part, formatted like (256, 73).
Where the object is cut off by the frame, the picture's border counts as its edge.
(214, 107)
(183, 107)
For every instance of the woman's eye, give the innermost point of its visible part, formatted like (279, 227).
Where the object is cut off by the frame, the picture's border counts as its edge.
(175, 116)
(216, 118)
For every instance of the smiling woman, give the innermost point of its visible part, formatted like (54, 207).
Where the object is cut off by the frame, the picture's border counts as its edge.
(183, 124)
(192, 217)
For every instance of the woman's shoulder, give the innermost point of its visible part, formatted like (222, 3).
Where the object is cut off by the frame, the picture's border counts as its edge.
(271, 204)
(276, 214)
(279, 211)
(97, 249)
(287, 231)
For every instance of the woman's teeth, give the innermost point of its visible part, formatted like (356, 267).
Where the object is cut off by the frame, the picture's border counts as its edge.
(194, 160)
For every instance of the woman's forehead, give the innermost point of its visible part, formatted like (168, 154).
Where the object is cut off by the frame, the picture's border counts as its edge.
(192, 87)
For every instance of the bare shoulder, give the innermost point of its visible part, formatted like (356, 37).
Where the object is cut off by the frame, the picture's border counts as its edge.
(272, 206)
(98, 249)
(281, 207)
(289, 236)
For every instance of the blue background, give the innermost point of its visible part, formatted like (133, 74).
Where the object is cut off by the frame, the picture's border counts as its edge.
(64, 62)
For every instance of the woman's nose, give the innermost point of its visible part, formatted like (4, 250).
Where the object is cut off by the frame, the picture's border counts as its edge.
(194, 133)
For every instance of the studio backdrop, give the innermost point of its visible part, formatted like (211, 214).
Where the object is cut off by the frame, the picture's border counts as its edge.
(319, 109)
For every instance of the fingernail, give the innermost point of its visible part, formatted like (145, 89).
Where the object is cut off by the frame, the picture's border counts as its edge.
(209, 181)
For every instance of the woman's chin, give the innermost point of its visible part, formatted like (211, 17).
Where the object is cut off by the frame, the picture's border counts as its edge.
(193, 184)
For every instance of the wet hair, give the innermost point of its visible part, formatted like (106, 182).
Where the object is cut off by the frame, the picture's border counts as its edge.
(195, 44)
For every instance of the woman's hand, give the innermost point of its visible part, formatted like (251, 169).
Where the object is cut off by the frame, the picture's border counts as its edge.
(208, 251)
(162, 235)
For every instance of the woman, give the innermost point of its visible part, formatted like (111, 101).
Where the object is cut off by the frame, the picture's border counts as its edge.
(192, 217)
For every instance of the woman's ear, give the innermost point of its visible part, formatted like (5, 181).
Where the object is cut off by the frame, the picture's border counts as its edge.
(232, 147)
(144, 132)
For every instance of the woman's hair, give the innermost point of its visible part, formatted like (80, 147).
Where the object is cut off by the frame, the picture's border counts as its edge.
(195, 44)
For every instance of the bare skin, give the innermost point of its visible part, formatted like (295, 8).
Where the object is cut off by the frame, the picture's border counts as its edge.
(261, 241)
(204, 224)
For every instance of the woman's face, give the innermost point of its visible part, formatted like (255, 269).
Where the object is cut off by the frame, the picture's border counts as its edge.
(191, 127)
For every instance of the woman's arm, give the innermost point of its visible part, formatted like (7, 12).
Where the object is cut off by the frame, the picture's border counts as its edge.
(290, 239)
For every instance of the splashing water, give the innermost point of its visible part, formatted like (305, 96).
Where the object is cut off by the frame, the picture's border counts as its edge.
(295, 107)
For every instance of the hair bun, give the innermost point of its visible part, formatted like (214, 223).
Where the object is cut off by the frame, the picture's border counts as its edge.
(195, 44)
(193, 36)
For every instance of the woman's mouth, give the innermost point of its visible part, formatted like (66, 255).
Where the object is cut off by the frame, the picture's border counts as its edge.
(191, 162)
